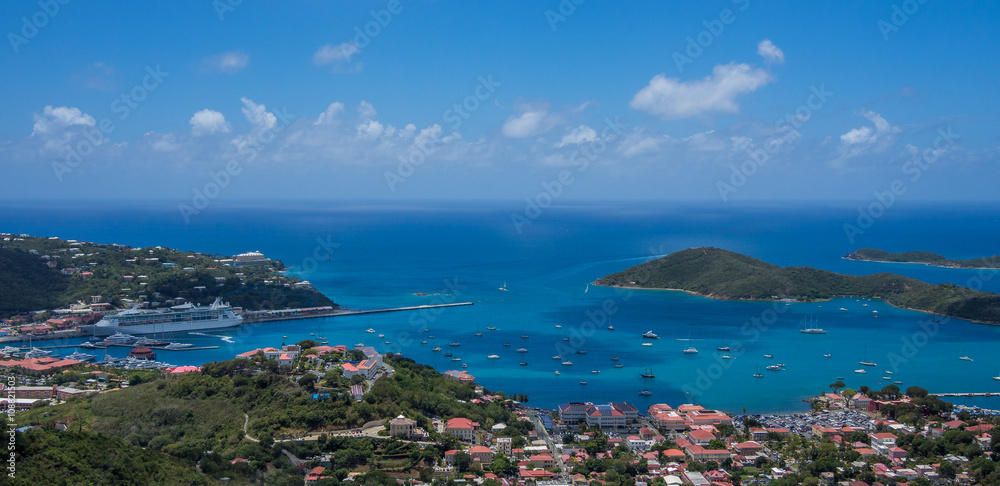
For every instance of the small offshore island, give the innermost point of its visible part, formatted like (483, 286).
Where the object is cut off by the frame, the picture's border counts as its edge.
(723, 274)
(924, 257)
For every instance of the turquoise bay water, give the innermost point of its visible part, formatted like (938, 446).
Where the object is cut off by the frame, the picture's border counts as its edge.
(383, 254)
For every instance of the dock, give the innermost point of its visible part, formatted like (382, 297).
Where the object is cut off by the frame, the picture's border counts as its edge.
(250, 319)
(974, 394)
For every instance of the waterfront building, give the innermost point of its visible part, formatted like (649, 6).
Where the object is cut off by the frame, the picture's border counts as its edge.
(251, 258)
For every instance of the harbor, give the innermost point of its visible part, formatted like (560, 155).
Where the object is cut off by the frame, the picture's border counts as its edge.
(284, 315)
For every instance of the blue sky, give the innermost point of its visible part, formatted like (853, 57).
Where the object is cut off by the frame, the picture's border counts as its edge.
(580, 100)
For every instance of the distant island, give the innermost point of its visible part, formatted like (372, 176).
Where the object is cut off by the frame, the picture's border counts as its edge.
(925, 257)
(42, 273)
(722, 274)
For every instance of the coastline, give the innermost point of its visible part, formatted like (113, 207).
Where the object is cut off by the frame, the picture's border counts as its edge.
(708, 296)
(929, 264)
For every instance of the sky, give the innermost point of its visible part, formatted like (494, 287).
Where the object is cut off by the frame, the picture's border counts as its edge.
(546, 101)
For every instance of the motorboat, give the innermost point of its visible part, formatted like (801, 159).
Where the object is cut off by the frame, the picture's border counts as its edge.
(178, 346)
(691, 350)
(567, 363)
(650, 335)
(437, 349)
(647, 344)
(493, 356)
(522, 350)
(860, 371)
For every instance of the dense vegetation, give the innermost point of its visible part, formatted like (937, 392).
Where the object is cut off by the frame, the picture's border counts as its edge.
(723, 274)
(874, 255)
(31, 285)
(185, 416)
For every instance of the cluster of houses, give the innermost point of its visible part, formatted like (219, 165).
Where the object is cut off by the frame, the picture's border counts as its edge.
(20, 398)
(368, 368)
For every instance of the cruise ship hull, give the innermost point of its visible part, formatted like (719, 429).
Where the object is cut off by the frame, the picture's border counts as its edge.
(156, 328)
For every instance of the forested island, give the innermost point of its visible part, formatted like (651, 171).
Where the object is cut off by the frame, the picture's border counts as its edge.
(722, 274)
(46, 273)
(925, 257)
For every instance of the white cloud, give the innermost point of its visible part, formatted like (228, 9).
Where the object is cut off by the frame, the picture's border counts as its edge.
(207, 122)
(339, 53)
(770, 52)
(366, 111)
(258, 116)
(529, 123)
(578, 135)
(331, 113)
(55, 118)
(227, 62)
(166, 143)
(859, 141)
(670, 98)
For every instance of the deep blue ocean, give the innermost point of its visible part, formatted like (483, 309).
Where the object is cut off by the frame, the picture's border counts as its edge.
(373, 255)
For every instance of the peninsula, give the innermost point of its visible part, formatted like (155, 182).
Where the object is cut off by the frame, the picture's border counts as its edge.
(924, 257)
(722, 274)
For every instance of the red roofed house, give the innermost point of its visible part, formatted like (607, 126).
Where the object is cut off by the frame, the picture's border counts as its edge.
(285, 360)
(700, 437)
(482, 453)
(462, 428)
(748, 448)
(543, 461)
(315, 474)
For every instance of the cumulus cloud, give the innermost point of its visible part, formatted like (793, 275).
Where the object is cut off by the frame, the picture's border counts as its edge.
(529, 123)
(207, 122)
(670, 98)
(578, 135)
(335, 53)
(330, 115)
(258, 116)
(227, 62)
(59, 117)
(861, 140)
(770, 52)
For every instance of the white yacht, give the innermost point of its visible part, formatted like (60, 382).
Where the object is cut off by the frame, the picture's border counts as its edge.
(691, 350)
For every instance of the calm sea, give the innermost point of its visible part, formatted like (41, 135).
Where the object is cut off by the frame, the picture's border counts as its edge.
(373, 255)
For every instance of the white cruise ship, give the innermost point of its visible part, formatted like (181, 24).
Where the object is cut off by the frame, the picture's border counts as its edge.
(185, 317)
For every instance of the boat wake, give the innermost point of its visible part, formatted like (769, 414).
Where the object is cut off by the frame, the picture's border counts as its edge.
(226, 339)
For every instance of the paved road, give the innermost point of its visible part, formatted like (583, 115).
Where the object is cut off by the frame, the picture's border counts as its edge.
(544, 434)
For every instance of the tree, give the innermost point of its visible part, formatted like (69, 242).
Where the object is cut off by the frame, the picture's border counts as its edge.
(307, 343)
(947, 470)
(716, 444)
(916, 392)
(848, 393)
(427, 474)
(837, 385)
(308, 381)
(462, 461)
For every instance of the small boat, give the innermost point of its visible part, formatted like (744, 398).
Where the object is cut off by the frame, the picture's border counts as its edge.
(38, 353)
(313, 334)
(645, 393)
(583, 382)
(427, 330)
(596, 371)
(726, 356)
(388, 342)
(769, 355)
(888, 372)
(380, 335)
(558, 326)
(465, 365)
(611, 328)
(897, 382)
(448, 355)
(886, 377)
(370, 330)
(430, 337)
(723, 348)
(843, 308)
(557, 372)
(479, 334)
(506, 345)
(774, 368)
(828, 355)
(437, 349)
(557, 357)
(524, 363)
(691, 350)
(867, 363)
(648, 374)
(286, 337)
(493, 356)
(456, 359)
(423, 342)
(87, 345)
(757, 373)
(522, 350)
(567, 363)
(524, 336)
(647, 344)
(619, 365)
(650, 335)
(178, 346)
(78, 356)
(454, 344)
(503, 287)
(565, 339)
(582, 351)
(965, 358)
(615, 358)
(491, 328)
(840, 377)
(860, 371)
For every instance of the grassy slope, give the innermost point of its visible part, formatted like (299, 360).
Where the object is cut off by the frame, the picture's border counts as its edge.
(724, 274)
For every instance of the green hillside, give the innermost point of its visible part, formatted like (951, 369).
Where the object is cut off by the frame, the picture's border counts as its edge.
(117, 272)
(723, 274)
(875, 255)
